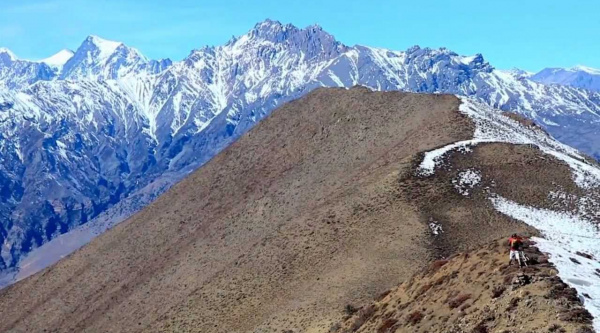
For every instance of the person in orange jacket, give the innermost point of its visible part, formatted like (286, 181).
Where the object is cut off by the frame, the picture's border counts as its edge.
(516, 247)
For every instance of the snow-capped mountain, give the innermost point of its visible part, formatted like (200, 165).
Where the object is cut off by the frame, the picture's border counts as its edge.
(16, 73)
(58, 60)
(102, 59)
(578, 76)
(7, 55)
(518, 73)
(95, 59)
(76, 143)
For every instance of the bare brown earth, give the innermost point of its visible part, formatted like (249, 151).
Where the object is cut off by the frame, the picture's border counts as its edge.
(316, 208)
(475, 292)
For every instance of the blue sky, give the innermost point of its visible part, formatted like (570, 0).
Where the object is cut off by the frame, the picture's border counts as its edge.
(529, 34)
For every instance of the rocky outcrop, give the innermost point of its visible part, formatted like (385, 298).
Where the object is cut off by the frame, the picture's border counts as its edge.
(475, 292)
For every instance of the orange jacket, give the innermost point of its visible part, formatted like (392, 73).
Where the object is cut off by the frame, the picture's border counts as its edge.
(515, 243)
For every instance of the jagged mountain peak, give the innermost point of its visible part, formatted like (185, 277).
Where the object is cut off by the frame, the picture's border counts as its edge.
(270, 37)
(99, 58)
(18, 73)
(270, 30)
(427, 56)
(268, 24)
(103, 49)
(265, 30)
(6, 54)
(277, 32)
(102, 44)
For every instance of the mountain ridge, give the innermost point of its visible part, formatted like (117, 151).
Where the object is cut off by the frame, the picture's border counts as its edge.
(578, 76)
(475, 292)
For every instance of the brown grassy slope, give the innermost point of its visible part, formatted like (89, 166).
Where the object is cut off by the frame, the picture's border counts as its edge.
(291, 219)
(520, 173)
(476, 292)
(317, 207)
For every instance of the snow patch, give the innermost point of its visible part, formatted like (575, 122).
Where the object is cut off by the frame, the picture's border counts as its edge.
(434, 158)
(466, 181)
(564, 235)
(436, 228)
(493, 126)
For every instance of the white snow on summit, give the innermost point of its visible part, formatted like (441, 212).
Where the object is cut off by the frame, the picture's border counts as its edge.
(467, 59)
(10, 54)
(517, 73)
(59, 59)
(586, 69)
(577, 76)
(106, 47)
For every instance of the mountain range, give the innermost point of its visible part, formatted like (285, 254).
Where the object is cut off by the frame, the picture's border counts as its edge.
(89, 137)
(578, 76)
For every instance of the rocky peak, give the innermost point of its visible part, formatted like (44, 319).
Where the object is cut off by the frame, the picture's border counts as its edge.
(312, 41)
(7, 55)
(475, 292)
(273, 31)
(99, 58)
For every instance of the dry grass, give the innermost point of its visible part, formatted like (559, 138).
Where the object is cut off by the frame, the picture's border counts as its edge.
(349, 309)
(423, 289)
(388, 326)
(458, 300)
(485, 308)
(556, 328)
(514, 302)
(497, 291)
(480, 328)
(292, 202)
(579, 315)
(560, 290)
(414, 317)
(362, 316)
(382, 295)
(436, 265)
